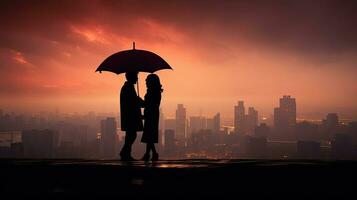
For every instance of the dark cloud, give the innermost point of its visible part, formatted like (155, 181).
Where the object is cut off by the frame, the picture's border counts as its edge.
(305, 26)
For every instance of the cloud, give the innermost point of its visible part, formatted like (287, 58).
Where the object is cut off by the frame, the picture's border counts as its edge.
(50, 48)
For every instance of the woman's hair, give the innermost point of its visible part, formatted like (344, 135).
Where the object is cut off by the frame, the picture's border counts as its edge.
(153, 83)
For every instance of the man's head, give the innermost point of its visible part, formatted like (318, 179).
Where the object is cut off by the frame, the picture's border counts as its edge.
(131, 77)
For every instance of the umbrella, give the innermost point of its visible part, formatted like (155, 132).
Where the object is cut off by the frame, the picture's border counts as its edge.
(133, 60)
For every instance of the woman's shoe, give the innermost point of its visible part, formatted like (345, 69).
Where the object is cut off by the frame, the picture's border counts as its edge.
(155, 157)
(146, 157)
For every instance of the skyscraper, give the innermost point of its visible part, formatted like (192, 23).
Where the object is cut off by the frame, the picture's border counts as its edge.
(330, 125)
(251, 120)
(239, 122)
(170, 123)
(180, 129)
(331, 121)
(197, 123)
(214, 123)
(109, 137)
(39, 143)
(169, 146)
(285, 115)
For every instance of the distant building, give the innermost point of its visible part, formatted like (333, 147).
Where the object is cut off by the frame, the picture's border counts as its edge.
(216, 127)
(108, 137)
(285, 117)
(161, 120)
(352, 130)
(285, 114)
(180, 129)
(308, 150)
(251, 120)
(67, 149)
(197, 123)
(256, 147)
(245, 124)
(170, 142)
(170, 123)
(262, 131)
(342, 147)
(330, 125)
(202, 140)
(239, 117)
(39, 143)
(307, 131)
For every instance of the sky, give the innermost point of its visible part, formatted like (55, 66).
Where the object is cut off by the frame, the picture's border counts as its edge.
(221, 52)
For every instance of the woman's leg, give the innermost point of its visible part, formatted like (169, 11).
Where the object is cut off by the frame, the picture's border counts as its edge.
(146, 156)
(155, 155)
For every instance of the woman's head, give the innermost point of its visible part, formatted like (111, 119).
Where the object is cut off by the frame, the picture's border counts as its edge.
(153, 82)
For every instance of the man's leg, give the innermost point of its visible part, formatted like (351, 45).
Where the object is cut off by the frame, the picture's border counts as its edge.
(130, 137)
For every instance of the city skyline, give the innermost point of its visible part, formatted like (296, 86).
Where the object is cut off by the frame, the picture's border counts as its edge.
(62, 135)
(312, 116)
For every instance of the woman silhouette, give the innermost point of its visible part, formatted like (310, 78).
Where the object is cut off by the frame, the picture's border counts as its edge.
(151, 116)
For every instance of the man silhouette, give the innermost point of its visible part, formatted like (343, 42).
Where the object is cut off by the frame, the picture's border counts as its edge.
(130, 112)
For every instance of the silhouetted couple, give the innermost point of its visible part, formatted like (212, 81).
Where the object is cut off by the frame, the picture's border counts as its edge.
(131, 117)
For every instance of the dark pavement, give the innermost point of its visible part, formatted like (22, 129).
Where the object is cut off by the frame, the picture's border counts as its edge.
(180, 178)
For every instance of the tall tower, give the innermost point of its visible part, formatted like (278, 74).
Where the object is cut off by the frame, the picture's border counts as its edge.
(251, 120)
(180, 130)
(239, 115)
(217, 123)
(330, 125)
(108, 129)
(285, 116)
(288, 106)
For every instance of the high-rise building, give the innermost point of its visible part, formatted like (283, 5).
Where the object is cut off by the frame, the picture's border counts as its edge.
(251, 120)
(285, 114)
(108, 137)
(180, 129)
(331, 121)
(214, 124)
(170, 123)
(262, 131)
(239, 117)
(39, 143)
(330, 125)
(169, 146)
(197, 123)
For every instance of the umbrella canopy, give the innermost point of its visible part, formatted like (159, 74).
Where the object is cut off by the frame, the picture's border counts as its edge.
(133, 60)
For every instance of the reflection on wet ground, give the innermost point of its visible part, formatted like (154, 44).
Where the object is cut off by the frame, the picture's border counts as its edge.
(185, 163)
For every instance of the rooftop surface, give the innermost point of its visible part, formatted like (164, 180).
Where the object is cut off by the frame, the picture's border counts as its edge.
(179, 178)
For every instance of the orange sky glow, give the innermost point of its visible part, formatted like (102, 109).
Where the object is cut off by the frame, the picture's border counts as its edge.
(49, 53)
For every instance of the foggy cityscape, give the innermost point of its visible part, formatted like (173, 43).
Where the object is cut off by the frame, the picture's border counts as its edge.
(178, 99)
(98, 136)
